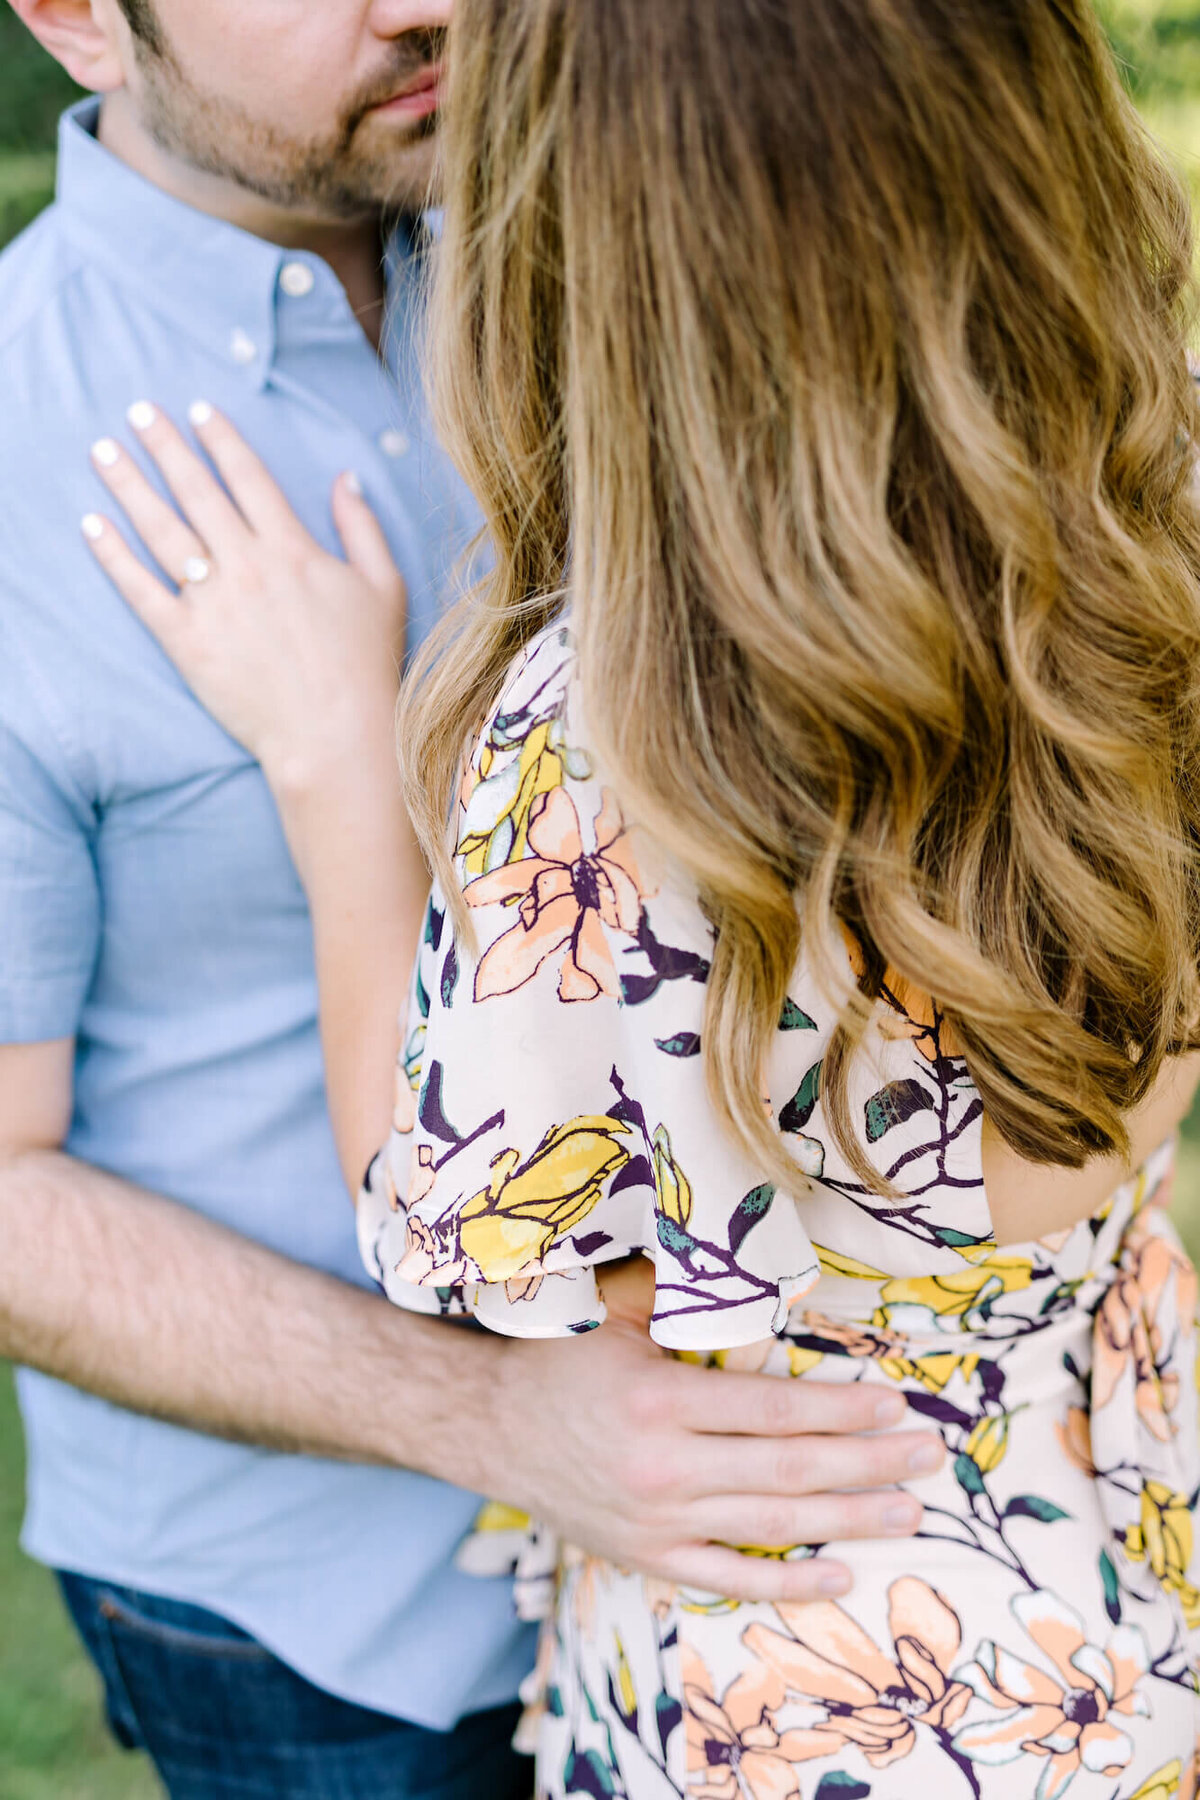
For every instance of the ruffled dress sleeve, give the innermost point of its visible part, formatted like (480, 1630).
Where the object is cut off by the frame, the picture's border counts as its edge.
(551, 1111)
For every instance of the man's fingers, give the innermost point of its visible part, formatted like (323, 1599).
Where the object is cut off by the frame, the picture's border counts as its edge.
(712, 1569)
(158, 608)
(772, 1523)
(195, 489)
(366, 547)
(260, 499)
(726, 1402)
(811, 1465)
(170, 540)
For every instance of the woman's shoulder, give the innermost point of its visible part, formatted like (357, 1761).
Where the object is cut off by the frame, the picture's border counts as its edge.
(530, 747)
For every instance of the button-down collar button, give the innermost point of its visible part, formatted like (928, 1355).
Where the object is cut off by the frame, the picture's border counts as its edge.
(393, 443)
(242, 348)
(296, 279)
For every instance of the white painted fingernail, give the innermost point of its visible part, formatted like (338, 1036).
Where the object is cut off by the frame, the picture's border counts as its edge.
(92, 526)
(927, 1460)
(142, 415)
(835, 1581)
(352, 483)
(106, 452)
(902, 1516)
(199, 412)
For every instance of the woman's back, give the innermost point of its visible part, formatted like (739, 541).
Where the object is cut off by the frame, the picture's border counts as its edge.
(554, 1117)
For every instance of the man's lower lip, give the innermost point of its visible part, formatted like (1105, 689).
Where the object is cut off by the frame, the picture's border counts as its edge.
(417, 105)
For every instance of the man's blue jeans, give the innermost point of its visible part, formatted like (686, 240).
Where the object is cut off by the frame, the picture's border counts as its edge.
(224, 1719)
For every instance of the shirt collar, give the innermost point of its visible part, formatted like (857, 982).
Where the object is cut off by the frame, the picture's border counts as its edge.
(215, 282)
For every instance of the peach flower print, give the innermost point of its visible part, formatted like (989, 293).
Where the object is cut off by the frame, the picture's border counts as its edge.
(1066, 1718)
(1128, 1335)
(933, 1369)
(733, 1749)
(1076, 1439)
(873, 1701)
(565, 898)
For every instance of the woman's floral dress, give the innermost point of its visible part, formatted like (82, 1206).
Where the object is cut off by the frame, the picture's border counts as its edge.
(1040, 1636)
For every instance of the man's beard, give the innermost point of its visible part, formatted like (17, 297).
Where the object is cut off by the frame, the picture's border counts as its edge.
(336, 176)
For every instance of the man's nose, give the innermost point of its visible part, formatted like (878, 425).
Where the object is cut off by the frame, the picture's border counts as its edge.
(392, 18)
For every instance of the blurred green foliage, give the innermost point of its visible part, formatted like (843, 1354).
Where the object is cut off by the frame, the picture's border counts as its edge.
(1158, 42)
(33, 91)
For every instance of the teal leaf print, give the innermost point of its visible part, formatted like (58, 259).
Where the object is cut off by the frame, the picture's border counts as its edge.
(1112, 1588)
(434, 920)
(958, 1240)
(674, 1238)
(967, 1473)
(750, 1209)
(895, 1103)
(794, 1019)
(684, 1043)
(422, 997)
(450, 975)
(837, 1785)
(667, 1712)
(554, 1701)
(587, 1774)
(799, 1109)
(1032, 1506)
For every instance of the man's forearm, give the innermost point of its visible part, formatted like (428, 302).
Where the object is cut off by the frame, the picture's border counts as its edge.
(648, 1462)
(152, 1306)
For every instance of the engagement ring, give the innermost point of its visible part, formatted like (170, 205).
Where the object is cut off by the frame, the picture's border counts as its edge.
(195, 570)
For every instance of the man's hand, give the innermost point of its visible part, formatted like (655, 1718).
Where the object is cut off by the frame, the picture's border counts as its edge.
(660, 1466)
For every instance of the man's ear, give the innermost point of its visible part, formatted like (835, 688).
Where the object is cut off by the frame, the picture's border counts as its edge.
(84, 37)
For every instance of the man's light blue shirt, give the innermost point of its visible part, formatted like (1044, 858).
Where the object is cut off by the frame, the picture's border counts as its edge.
(149, 908)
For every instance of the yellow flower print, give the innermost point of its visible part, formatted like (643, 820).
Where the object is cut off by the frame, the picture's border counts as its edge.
(672, 1186)
(934, 1371)
(626, 1691)
(988, 1443)
(491, 837)
(1162, 1784)
(1163, 1540)
(834, 1263)
(959, 1295)
(494, 1515)
(513, 1222)
(886, 1349)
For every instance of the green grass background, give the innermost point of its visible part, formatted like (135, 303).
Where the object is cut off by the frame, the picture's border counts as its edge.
(53, 1745)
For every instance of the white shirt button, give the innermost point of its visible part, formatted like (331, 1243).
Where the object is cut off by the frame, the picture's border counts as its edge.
(296, 279)
(393, 443)
(242, 348)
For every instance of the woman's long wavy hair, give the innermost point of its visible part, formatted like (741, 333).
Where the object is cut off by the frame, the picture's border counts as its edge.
(827, 358)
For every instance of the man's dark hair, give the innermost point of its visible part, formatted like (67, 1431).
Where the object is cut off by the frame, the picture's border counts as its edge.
(144, 24)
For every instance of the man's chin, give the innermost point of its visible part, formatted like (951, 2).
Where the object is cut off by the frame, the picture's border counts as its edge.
(402, 160)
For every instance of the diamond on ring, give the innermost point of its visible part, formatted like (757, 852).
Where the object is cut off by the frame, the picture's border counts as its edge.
(196, 570)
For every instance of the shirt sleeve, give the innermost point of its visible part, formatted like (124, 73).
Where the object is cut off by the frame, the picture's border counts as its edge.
(551, 1112)
(49, 898)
